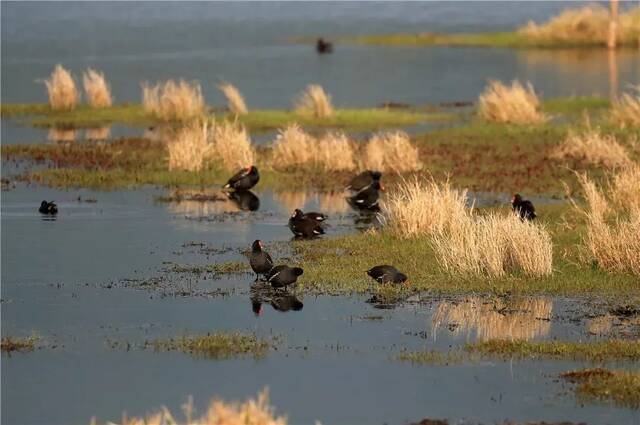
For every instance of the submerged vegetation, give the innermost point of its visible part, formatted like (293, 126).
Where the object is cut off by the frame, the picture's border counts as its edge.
(10, 344)
(620, 387)
(597, 351)
(218, 345)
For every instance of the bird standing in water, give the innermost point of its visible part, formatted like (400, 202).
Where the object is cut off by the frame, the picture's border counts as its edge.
(49, 208)
(260, 260)
(244, 179)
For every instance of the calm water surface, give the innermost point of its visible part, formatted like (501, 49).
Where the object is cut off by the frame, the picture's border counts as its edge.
(77, 280)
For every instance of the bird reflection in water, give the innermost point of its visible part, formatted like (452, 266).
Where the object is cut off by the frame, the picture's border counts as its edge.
(245, 200)
(282, 302)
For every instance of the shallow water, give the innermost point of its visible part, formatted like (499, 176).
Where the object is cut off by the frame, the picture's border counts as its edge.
(74, 281)
(94, 284)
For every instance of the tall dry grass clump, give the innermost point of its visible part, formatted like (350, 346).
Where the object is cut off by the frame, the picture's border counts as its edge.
(625, 111)
(593, 147)
(510, 104)
(235, 101)
(189, 147)
(171, 101)
(494, 246)
(391, 152)
(292, 147)
(423, 208)
(335, 152)
(61, 89)
(251, 412)
(613, 223)
(296, 148)
(232, 145)
(588, 25)
(96, 89)
(314, 101)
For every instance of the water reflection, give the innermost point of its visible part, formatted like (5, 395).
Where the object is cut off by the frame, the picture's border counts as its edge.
(333, 202)
(291, 200)
(280, 301)
(199, 203)
(245, 200)
(97, 134)
(523, 318)
(61, 134)
(591, 64)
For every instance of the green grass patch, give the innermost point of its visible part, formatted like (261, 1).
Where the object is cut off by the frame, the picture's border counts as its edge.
(338, 265)
(597, 351)
(430, 357)
(11, 344)
(620, 387)
(41, 115)
(575, 105)
(503, 39)
(215, 346)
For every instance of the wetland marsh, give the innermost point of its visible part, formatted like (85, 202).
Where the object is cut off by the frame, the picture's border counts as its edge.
(138, 293)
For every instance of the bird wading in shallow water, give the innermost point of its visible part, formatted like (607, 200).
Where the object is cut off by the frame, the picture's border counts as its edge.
(244, 179)
(367, 199)
(523, 207)
(259, 260)
(363, 180)
(283, 276)
(49, 208)
(304, 227)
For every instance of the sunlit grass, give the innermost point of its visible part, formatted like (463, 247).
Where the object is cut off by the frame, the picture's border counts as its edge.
(214, 346)
(620, 387)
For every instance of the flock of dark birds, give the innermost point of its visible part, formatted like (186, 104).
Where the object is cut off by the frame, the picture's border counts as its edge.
(365, 191)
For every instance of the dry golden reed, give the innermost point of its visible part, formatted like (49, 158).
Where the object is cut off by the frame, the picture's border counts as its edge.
(613, 224)
(235, 101)
(96, 89)
(251, 412)
(232, 145)
(593, 147)
(189, 147)
(588, 25)
(510, 104)
(494, 246)
(296, 148)
(626, 110)
(314, 101)
(61, 89)
(171, 101)
(391, 152)
(423, 207)
(517, 319)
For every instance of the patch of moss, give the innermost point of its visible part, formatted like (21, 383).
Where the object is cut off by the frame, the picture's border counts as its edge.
(597, 351)
(215, 346)
(620, 387)
(10, 344)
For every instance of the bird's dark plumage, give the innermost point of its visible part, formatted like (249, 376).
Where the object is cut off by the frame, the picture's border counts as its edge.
(315, 216)
(259, 260)
(386, 274)
(523, 207)
(283, 276)
(363, 180)
(367, 199)
(245, 200)
(304, 226)
(244, 179)
(323, 46)
(49, 208)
